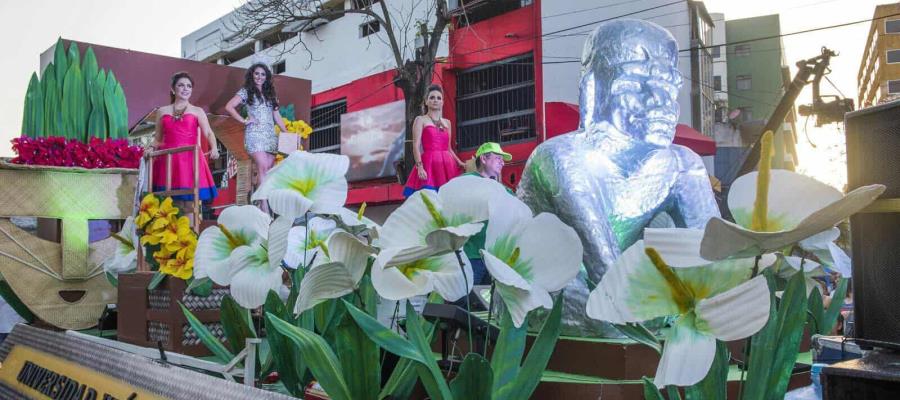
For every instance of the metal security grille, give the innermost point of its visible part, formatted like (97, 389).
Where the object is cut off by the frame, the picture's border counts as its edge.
(495, 103)
(326, 124)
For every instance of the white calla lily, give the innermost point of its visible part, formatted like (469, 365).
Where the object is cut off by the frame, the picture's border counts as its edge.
(440, 273)
(347, 259)
(305, 243)
(528, 256)
(431, 224)
(792, 208)
(306, 182)
(237, 226)
(124, 258)
(253, 277)
(712, 300)
(789, 265)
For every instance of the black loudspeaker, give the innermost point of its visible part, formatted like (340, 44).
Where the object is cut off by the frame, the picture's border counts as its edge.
(873, 156)
(873, 377)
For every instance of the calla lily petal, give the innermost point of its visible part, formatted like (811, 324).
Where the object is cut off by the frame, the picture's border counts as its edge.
(687, 355)
(680, 247)
(519, 302)
(326, 281)
(792, 198)
(467, 197)
(547, 241)
(503, 273)
(213, 256)
(289, 203)
(736, 313)
(350, 252)
(317, 181)
(254, 278)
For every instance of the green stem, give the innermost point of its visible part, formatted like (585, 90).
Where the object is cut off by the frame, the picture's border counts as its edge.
(468, 306)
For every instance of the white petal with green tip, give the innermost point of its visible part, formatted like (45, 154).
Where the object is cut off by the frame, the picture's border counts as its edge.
(519, 302)
(503, 273)
(508, 218)
(213, 256)
(679, 247)
(254, 278)
(352, 253)
(278, 240)
(326, 281)
(792, 197)
(468, 197)
(736, 313)
(687, 355)
(551, 251)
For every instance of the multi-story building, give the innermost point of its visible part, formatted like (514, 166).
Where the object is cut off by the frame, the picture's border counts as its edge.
(756, 81)
(510, 69)
(879, 71)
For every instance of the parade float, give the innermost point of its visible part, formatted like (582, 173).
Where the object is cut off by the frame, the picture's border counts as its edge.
(294, 298)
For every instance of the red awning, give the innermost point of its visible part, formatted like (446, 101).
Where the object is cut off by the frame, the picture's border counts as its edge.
(696, 141)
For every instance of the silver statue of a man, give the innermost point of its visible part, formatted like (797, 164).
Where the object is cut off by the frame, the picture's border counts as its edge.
(620, 170)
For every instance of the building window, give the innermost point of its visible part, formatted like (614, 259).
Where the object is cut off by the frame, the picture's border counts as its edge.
(892, 26)
(893, 86)
(743, 82)
(716, 51)
(238, 54)
(326, 123)
(471, 11)
(495, 103)
(279, 67)
(717, 83)
(893, 56)
(742, 50)
(275, 38)
(721, 114)
(369, 28)
(746, 113)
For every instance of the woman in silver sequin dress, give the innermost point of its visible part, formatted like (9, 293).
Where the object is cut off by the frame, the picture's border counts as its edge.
(258, 95)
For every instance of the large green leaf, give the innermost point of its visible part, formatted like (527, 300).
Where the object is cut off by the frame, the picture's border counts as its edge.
(385, 338)
(429, 372)
(762, 350)
(507, 357)
(206, 337)
(236, 323)
(402, 380)
(286, 356)
(74, 102)
(322, 361)
(359, 359)
(155, 280)
(116, 109)
(60, 61)
(829, 319)
(713, 386)
(52, 99)
(816, 311)
(73, 55)
(536, 361)
(790, 332)
(639, 333)
(33, 115)
(650, 390)
(15, 302)
(473, 380)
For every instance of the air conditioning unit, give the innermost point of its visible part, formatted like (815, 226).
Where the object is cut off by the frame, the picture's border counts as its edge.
(295, 26)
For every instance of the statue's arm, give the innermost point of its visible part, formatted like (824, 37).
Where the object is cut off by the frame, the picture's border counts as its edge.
(554, 183)
(695, 202)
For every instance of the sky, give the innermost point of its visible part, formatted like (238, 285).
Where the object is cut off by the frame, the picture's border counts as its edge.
(30, 27)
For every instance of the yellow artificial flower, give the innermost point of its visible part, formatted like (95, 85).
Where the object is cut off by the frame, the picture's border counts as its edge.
(162, 256)
(184, 238)
(179, 266)
(170, 233)
(149, 208)
(166, 210)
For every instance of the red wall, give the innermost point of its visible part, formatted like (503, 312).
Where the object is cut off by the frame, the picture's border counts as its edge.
(514, 33)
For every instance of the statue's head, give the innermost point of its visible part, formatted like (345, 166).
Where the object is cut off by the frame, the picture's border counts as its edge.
(630, 79)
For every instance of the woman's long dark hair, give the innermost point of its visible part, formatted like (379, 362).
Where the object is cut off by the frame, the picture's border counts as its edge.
(175, 79)
(268, 88)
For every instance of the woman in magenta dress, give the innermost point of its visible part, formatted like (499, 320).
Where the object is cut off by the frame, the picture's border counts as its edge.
(436, 163)
(177, 125)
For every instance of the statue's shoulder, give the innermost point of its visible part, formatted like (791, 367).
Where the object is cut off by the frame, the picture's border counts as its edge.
(557, 145)
(686, 157)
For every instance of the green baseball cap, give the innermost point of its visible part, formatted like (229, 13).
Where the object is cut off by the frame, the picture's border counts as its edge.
(492, 147)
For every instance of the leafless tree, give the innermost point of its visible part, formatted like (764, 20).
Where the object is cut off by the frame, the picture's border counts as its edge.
(414, 56)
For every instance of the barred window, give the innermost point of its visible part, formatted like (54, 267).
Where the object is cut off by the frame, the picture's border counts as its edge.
(495, 103)
(326, 123)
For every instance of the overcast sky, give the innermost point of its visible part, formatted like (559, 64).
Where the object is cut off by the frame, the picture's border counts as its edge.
(30, 27)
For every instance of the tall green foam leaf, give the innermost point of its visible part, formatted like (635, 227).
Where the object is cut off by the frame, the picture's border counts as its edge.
(52, 97)
(73, 104)
(33, 116)
(116, 108)
(73, 55)
(97, 122)
(60, 61)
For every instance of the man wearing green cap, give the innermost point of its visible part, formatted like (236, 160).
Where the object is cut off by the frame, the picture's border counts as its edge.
(489, 162)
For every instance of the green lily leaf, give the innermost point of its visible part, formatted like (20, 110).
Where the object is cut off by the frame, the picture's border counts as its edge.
(650, 390)
(200, 287)
(206, 337)
(536, 362)
(389, 340)
(322, 361)
(473, 380)
(285, 355)
(830, 317)
(156, 280)
(507, 357)
(359, 359)
(816, 311)
(236, 323)
(639, 333)
(713, 385)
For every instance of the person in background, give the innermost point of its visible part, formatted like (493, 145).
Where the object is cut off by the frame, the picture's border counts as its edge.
(177, 125)
(489, 162)
(436, 163)
(258, 95)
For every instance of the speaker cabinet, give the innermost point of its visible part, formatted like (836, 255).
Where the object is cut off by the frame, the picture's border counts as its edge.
(873, 156)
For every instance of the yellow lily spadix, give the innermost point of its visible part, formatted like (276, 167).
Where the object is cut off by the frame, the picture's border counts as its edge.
(761, 204)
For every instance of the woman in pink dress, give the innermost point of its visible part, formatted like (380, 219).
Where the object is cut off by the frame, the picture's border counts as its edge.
(177, 125)
(436, 163)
